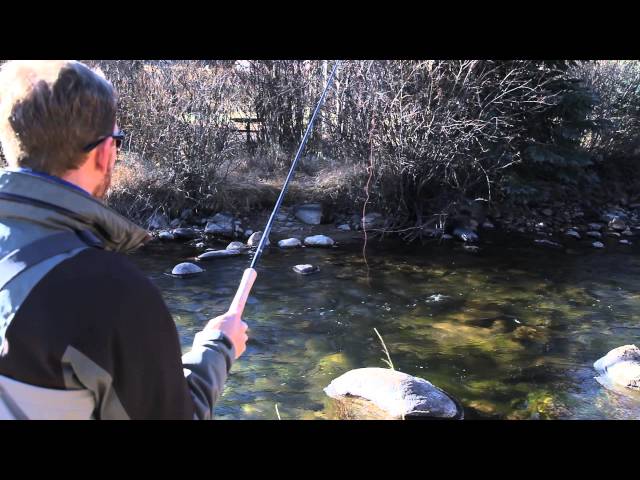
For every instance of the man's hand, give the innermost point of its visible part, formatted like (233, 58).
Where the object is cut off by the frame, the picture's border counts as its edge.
(233, 327)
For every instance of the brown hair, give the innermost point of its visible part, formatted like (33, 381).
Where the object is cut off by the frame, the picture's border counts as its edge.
(50, 110)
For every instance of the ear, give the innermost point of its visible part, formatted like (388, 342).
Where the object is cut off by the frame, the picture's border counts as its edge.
(102, 156)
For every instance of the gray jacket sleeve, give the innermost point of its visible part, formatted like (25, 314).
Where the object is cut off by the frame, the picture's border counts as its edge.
(206, 368)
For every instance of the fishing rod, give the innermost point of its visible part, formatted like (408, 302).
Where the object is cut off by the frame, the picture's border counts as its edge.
(250, 274)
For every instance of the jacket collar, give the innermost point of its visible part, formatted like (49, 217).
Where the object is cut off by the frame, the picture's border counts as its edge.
(52, 203)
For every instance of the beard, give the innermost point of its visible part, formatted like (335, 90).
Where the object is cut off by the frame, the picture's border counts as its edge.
(102, 189)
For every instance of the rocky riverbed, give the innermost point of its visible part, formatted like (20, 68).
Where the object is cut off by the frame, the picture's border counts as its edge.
(559, 227)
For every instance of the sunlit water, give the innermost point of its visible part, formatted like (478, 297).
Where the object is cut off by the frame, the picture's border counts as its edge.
(511, 332)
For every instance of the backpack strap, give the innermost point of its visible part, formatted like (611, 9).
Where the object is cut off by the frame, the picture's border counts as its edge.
(11, 406)
(19, 260)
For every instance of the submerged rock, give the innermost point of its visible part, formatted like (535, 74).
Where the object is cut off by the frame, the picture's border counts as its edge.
(218, 254)
(572, 233)
(620, 368)
(306, 269)
(594, 234)
(598, 244)
(344, 227)
(186, 269)
(318, 241)
(547, 243)
(366, 393)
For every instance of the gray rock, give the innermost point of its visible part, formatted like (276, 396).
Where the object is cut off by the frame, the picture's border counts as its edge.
(186, 269)
(446, 236)
(158, 221)
(255, 238)
(614, 214)
(306, 269)
(225, 230)
(620, 368)
(210, 255)
(200, 245)
(344, 227)
(627, 233)
(185, 233)
(547, 243)
(237, 246)
(595, 226)
(572, 233)
(221, 224)
(186, 214)
(547, 212)
(174, 223)
(624, 242)
(617, 224)
(289, 243)
(166, 236)
(310, 213)
(318, 241)
(594, 234)
(471, 248)
(613, 234)
(371, 220)
(396, 394)
(488, 225)
(598, 244)
(465, 235)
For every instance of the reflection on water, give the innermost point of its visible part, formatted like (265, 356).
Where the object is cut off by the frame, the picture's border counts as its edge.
(511, 332)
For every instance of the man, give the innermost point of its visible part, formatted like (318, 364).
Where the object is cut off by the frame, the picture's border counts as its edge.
(83, 333)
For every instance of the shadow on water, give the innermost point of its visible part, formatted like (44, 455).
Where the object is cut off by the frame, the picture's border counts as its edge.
(511, 332)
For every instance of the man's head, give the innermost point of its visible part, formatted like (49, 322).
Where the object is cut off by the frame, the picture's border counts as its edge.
(50, 113)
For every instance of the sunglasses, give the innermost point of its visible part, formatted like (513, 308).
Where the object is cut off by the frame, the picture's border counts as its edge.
(118, 137)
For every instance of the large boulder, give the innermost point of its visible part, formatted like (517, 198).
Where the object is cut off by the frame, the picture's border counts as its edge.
(220, 224)
(366, 393)
(620, 369)
(310, 213)
(158, 221)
